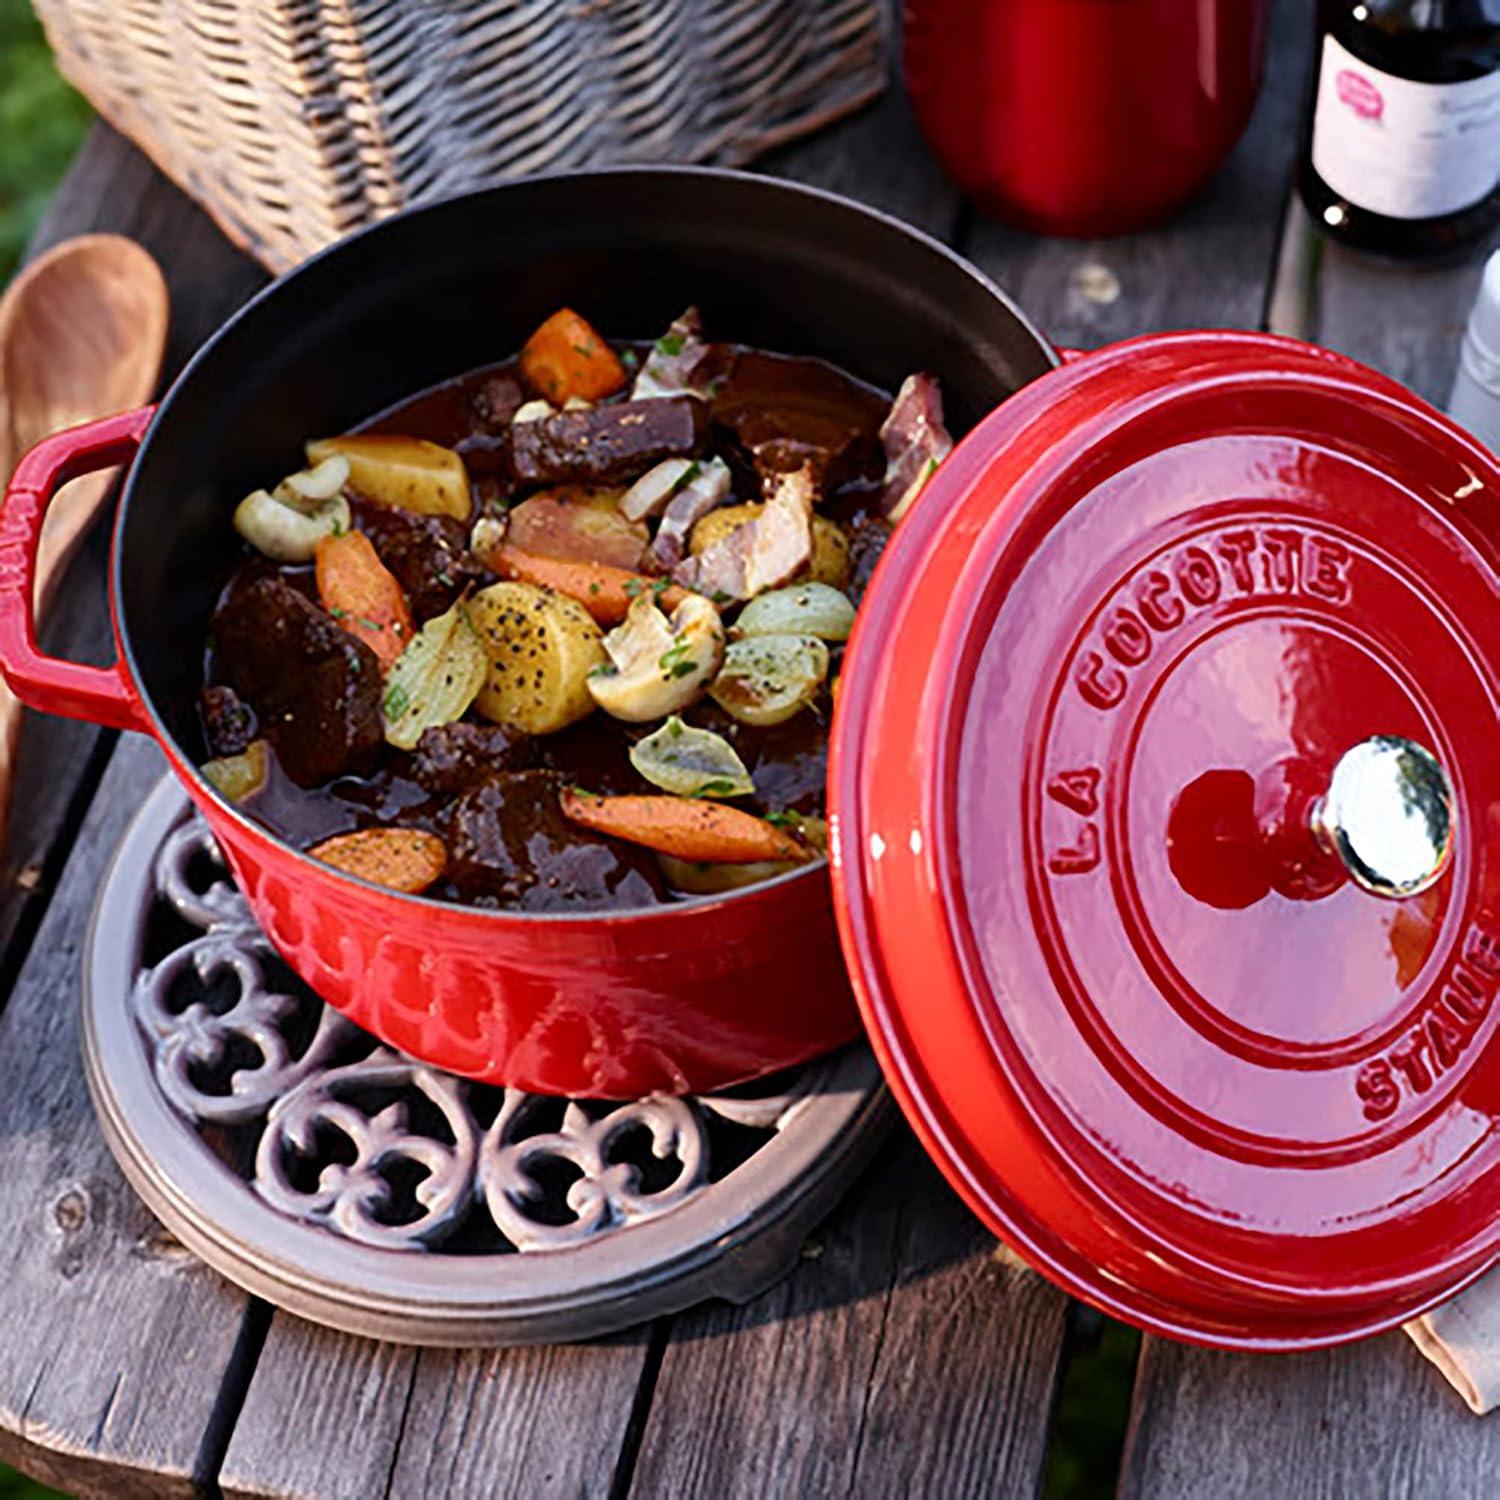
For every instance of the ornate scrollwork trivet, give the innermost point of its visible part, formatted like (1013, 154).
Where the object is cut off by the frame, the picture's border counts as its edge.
(366, 1190)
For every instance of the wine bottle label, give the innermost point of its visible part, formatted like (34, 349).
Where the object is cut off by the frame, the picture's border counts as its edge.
(1403, 149)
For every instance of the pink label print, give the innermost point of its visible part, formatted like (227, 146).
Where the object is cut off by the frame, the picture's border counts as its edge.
(1360, 94)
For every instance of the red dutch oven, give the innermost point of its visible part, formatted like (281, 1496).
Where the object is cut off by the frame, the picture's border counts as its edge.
(1162, 777)
(1083, 116)
(688, 997)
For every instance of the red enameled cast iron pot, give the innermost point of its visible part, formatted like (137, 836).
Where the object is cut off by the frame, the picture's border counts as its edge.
(688, 997)
(1083, 117)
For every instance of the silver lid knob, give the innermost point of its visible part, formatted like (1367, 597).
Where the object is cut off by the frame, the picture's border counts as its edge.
(1388, 814)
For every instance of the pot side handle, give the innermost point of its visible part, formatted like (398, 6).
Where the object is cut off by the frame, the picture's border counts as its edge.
(102, 695)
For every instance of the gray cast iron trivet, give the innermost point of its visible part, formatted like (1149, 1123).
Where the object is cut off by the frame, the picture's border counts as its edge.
(357, 1187)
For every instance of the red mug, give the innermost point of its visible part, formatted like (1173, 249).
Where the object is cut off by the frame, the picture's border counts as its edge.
(1083, 117)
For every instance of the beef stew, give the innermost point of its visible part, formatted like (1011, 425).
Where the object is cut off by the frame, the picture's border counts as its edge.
(563, 633)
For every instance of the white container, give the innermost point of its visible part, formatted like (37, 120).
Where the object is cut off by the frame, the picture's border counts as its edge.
(1475, 402)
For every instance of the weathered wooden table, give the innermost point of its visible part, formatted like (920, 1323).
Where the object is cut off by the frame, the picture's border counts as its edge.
(905, 1356)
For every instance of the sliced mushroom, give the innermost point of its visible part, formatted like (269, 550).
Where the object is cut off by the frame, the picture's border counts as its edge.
(287, 524)
(307, 489)
(659, 666)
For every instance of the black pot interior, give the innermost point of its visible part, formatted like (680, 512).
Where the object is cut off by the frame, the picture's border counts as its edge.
(444, 289)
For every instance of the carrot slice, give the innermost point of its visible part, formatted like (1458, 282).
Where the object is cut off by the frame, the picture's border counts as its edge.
(402, 859)
(362, 594)
(603, 589)
(703, 832)
(566, 358)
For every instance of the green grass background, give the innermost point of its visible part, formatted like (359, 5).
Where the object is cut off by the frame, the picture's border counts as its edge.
(42, 122)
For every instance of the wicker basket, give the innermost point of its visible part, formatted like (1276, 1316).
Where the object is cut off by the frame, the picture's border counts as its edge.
(294, 121)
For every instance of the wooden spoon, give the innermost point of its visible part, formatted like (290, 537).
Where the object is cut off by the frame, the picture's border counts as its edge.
(82, 333)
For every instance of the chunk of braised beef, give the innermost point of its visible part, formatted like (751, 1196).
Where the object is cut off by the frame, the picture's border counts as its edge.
(313, 686)
(784, 413)
(509, 844)
(427, 554)
(486, 455)
(867, 540)
(495, 400)
(455, 758)
(228, 722)
(615, 442)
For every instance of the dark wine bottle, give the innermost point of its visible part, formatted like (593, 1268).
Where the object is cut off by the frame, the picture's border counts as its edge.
(1402, 156)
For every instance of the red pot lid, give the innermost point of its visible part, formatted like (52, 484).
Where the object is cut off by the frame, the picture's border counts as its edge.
(1099, 884)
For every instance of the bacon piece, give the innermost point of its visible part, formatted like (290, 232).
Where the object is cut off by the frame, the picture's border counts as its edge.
(915, 443)
(762, 553)
(704, 491)
(670, 368)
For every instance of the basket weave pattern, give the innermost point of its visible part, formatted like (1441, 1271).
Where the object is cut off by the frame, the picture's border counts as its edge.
(295, 121)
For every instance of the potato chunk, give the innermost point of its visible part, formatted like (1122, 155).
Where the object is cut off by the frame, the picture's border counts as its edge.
(408, 473)
(542, 647)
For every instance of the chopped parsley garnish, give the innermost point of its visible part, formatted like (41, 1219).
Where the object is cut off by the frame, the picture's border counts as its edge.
(678, 661)
(671, 344)
(685, 478)
(783, 819)
(629, 358)
(397, 701)
(633, 588)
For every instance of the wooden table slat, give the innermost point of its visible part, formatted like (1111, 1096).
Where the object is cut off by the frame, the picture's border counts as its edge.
(343, 1418)
(116, 1341)
(904, 1357)
(1371, 1419)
